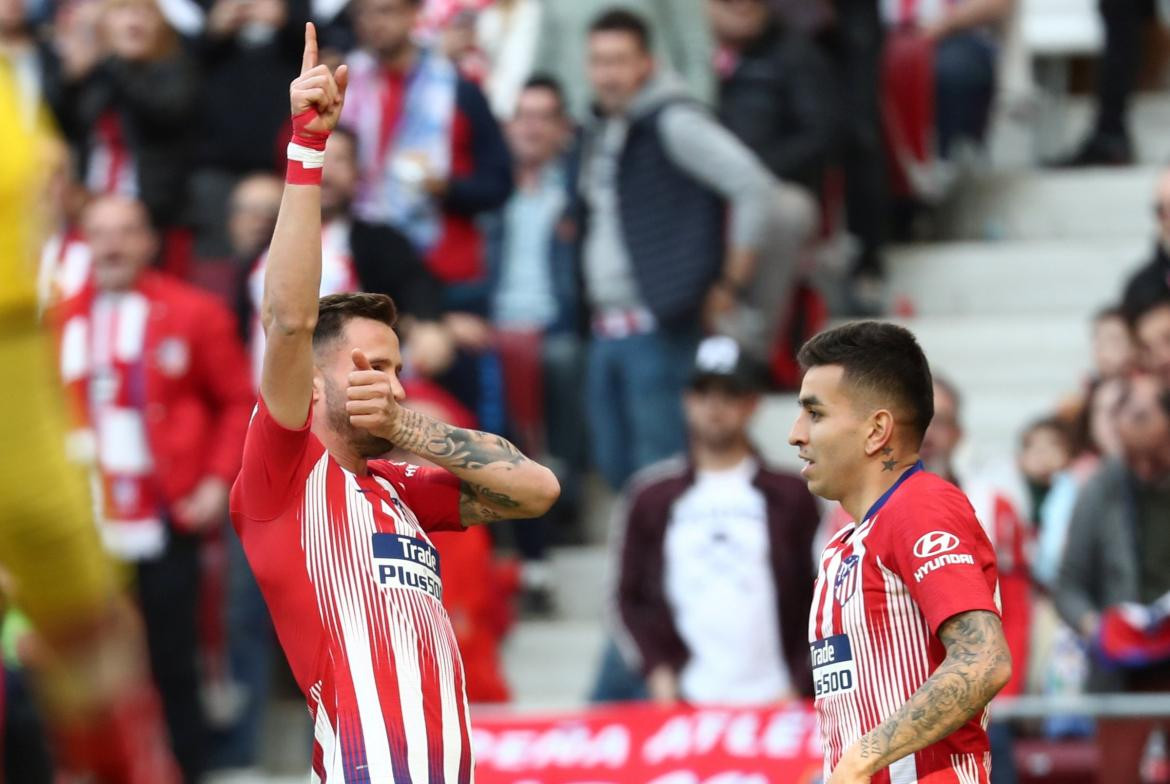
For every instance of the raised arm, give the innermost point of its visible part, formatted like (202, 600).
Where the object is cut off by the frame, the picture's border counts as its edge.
(292, 280)
(976, 667)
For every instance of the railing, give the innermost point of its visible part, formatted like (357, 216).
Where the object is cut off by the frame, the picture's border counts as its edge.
(1090, 705)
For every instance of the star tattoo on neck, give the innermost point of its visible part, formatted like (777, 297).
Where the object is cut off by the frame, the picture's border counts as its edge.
(887, 451)
(889, 465)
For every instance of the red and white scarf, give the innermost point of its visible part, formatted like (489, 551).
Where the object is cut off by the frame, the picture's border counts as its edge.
(103, 362)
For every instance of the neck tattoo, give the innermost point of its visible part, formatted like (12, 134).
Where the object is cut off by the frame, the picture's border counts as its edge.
(892, 463)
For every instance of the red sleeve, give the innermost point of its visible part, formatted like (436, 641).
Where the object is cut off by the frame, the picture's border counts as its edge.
(431, 493)
(274, 459)
(944, 557)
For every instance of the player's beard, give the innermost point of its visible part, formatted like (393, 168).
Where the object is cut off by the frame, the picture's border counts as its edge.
(362, 441)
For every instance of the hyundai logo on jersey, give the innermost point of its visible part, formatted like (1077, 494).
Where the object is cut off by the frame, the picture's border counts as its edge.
(407, 562)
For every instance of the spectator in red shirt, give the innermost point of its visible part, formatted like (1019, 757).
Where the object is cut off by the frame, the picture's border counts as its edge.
(432, 156)
(159, 379)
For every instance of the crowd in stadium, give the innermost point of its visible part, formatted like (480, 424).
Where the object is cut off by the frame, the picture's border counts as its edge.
(598, 221)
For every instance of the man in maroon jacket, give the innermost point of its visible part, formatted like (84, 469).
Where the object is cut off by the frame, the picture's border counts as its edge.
(716, 571)
(160, 386)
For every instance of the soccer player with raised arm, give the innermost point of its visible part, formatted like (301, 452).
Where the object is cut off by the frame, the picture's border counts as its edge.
(907, 645)
(338, 539)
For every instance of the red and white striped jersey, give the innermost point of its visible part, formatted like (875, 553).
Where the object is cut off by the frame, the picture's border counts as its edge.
(352, 582)
(883, 589)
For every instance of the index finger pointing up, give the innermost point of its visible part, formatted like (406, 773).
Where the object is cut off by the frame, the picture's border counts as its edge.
(309, 59)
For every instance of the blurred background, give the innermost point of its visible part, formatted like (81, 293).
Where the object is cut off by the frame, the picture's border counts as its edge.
(608, 227)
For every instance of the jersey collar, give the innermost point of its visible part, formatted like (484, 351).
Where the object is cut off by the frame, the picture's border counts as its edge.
(909, 472)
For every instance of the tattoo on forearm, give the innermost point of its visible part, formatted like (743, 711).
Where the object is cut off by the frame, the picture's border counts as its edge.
(478, 504)
(962, 685)
(452, 447)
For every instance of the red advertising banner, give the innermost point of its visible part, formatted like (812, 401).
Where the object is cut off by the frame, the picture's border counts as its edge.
(642, 744)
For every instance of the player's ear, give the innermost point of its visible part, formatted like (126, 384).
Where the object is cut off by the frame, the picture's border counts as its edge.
(318, 385)
(881, 432)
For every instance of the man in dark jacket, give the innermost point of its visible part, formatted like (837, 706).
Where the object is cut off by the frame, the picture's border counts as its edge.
(713, 530)
(776, 91)
(658, 177)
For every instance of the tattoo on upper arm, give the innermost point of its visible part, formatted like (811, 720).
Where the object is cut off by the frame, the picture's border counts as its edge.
(961, 686)
(452, 446)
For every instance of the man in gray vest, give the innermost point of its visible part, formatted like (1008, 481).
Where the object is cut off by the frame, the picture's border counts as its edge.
(675, 213)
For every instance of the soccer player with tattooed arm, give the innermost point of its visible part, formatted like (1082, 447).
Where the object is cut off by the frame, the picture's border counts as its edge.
(906, 642)
(337, 538)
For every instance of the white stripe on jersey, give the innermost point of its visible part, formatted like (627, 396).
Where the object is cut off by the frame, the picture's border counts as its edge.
(357, 602)
(326, 737)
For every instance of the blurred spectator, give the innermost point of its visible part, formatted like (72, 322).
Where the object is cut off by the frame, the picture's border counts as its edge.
(1114, 354)
(1118, 551)
(1153, 279)
(679, 29)
(1108, 142)
(962, 38)
(160, 382)
(431, 154)
(654, 269)
(774, 91)
(855, 44)
(458, 42)
(507, 32)
(252, 210)
(713, 530)
(945, 432)
(1046, 449)
(355, 255)
(1148, 314)
(248, 52)
(535, 309)
(34, 67)
(65, 258)
(776, 95)
(132, 137)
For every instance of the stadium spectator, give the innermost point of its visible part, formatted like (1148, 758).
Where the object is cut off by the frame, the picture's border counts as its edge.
(655, 268)
(536, 313)
(159, 379)
(1148, 314)
(356, 255)
(431, 154)
(776, 94)
(65, 258)
(252, 210)
(1108, 142)
(682, 43)
(962, 40)
(712, 529)
(1118, 552)
(1153, 278)
(31, 59)
(248, 51)
(775, 91)
(508, 34)
(1114, 354)
(131, 137)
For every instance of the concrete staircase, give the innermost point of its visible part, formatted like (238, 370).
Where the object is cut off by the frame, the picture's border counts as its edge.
(1002, 308)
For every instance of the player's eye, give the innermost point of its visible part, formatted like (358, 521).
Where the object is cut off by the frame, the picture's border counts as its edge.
(814, 415)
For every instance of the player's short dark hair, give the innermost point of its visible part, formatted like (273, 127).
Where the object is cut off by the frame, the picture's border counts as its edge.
(619, 20)
(543, 81)
(337, 310)
(881, 360)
